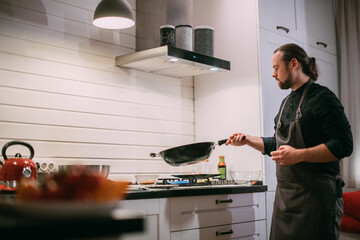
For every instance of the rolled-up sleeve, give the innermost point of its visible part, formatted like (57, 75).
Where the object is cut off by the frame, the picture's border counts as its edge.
(269, 145)
(334, 126)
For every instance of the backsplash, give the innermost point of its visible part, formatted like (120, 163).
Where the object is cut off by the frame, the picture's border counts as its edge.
(61, 92)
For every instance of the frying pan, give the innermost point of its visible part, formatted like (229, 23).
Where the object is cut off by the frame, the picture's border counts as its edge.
(189, 153)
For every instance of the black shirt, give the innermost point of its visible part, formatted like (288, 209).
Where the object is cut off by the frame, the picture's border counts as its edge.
(323, 121)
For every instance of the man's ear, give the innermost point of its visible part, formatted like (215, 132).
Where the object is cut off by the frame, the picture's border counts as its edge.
(294, 64)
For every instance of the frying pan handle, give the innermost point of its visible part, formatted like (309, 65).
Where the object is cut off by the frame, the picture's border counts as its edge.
(221, 142)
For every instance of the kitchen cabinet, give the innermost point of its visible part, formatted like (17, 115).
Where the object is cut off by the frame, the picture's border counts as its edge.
(198, 216)
(282, 17)
(318, 22)
(327, 66)
(316, 26)
(311, 22)
(240, 216)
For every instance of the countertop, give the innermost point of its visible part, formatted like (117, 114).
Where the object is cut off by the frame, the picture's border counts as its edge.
(193, 191)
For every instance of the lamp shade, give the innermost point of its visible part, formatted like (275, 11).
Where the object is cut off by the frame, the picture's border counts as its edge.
(114, 14)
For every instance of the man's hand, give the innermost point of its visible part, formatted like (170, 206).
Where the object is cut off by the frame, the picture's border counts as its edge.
(237, 139)
(286, 155)
(240, 139)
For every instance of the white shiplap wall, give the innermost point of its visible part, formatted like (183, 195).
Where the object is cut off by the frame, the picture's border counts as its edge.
(61, 91)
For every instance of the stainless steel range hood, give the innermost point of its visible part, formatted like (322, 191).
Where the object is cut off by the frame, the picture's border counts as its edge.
(172, 62)
(165, 60)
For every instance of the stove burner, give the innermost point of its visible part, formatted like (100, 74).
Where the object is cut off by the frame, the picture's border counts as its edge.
(172, 181)
(188, 180)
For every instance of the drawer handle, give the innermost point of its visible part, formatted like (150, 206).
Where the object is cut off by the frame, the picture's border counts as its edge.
(321, 43)
(224, 201)
(283, 28)
(224, 233)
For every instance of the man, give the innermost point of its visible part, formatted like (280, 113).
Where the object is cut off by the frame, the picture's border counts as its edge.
(312, 134)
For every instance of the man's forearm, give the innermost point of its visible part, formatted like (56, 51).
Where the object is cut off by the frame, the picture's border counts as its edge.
(240, 139)
(287, 155)
(255, 142)
(317, 154)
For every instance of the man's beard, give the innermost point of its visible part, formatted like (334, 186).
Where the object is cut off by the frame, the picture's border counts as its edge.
(286, 84)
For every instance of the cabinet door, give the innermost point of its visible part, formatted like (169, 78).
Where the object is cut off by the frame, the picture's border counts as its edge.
(319, 24)
(282, 17)
(327, 67)
(243, 231)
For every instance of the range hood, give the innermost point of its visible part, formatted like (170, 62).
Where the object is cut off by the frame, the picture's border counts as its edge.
(172, 62)
(166, 60)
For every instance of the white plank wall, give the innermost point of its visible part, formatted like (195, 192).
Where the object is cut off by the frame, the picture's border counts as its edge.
(61, 92)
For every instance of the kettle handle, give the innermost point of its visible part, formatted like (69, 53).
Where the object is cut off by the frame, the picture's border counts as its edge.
(17, 143)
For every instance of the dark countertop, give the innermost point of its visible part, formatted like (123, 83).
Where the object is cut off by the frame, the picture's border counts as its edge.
(194, 191)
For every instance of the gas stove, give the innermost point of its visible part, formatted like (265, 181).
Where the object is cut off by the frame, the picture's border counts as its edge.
(188, 181)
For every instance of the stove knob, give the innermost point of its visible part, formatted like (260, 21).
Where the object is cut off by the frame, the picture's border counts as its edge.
(27, 172)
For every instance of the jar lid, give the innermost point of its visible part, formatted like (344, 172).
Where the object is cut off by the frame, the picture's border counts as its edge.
(204, 27)
(183, 25)
(166, 26)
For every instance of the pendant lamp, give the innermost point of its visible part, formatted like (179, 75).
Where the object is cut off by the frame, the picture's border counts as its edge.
(114, 14)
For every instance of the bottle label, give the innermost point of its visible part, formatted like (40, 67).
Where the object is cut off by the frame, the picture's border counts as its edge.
(222, 172)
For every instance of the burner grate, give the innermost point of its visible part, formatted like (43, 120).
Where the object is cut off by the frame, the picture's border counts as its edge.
(188, 180)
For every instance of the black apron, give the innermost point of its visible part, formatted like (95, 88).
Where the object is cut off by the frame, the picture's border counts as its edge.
(304, 206)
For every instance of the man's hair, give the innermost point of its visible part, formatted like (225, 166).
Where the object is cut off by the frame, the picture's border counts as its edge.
(308, 64)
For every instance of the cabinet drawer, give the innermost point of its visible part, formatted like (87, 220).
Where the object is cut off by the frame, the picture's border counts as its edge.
(207, 211)
(146, 206)
(243, 231)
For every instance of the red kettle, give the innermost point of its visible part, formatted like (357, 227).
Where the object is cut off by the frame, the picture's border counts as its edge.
(17, 168)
